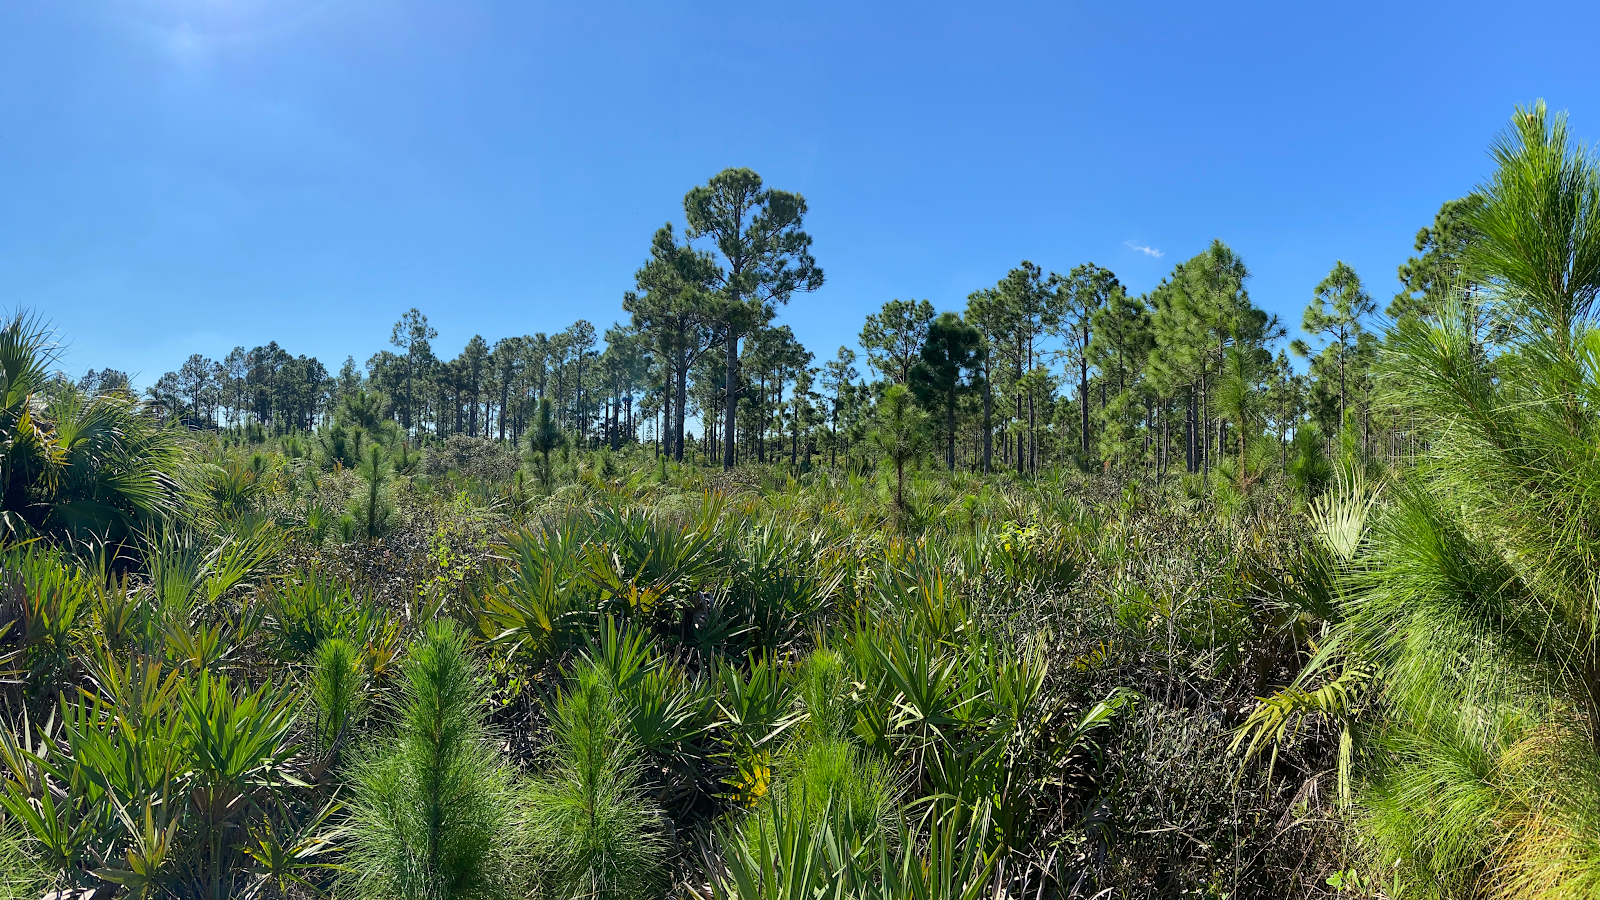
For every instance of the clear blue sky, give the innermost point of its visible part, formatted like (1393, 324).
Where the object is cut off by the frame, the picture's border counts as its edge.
(189, 175)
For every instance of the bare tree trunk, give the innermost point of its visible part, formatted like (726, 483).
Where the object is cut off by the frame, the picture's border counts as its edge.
(1083, 389)
(682, 374)
(731, 398)
(988, 424)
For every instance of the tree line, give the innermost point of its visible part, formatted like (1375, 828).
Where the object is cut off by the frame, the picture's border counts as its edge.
(1040, 369)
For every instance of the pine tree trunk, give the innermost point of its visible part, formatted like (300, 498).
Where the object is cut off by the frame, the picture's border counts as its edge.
(730, 399)
(682, 374)
(988, 425)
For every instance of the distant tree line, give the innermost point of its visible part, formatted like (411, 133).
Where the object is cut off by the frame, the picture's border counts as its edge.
(1040, 369)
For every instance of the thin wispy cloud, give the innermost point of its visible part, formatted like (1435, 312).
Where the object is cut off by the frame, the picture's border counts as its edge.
(1147, 251)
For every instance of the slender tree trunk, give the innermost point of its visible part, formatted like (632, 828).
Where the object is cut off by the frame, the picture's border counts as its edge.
(1033, 456)
(680, 411)
(1190, 444)
(833, 435)
(1166, 439)
(1283, 438)
(899, 484)
(1341, 379)
(1019, 460)
(1149, 426)
(950, 431)
(505, 396)
(731, 399)
(668, 403)
(405, 413)
(1083, 388)
(1241, 452)
(1221, 356)
(988, 423)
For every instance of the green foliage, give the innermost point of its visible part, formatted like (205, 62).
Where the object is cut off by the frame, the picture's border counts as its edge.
(336, 694)
(315, 607)
(372, 507)
(1469, 595)
(22, 877)
(593, 830)
(894, 338)
(545, 437)
(153, 782)
(1429, 279)
(810, 854)
(765, 258)
(1368, 580)
(900, 435)
(75, 465)
(952, 348)
(434, 810)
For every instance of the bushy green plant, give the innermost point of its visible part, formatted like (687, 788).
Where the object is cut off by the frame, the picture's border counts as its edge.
(1473, 595)
(901, 434)
(809, 853)
(664, 714)
(77, 466)
(336, 694)
(45, 603)
(155, 781)
(820, 772)
(824, 685)
(595, 833)
(371, 507)
(22, 876)
(544, 437)
(320, 522)
(434, 810)
(304, 612)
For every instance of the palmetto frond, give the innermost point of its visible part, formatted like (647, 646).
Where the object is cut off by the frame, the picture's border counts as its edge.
(96, 465)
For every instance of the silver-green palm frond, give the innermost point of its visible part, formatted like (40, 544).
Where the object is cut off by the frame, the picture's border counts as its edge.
(1339, 517)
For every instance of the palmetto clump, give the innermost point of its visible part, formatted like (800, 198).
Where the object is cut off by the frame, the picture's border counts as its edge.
(86, 466)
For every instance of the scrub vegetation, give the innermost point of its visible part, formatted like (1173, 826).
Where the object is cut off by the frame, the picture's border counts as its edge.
(1082, 594)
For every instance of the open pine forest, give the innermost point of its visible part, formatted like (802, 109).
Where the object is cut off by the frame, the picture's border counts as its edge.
(1069, 593)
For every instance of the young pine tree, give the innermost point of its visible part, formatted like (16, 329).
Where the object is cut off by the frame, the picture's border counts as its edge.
(901, 434)
(370, 507)
(434, 812)
(544, 437)
(593, 830)
(1475, 597)
(335, 693)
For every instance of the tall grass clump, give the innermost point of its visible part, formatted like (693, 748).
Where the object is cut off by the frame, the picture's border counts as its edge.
(434, 813)
(22, 877)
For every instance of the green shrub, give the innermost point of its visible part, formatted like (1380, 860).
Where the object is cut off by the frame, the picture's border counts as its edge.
(595, 833)
(434, 812)
(304, 612)
(335, 694)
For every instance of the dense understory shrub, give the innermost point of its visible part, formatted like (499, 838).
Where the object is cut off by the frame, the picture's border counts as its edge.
(474, 457)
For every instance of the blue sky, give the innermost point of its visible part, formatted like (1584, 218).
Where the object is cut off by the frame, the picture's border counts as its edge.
(190, 175)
